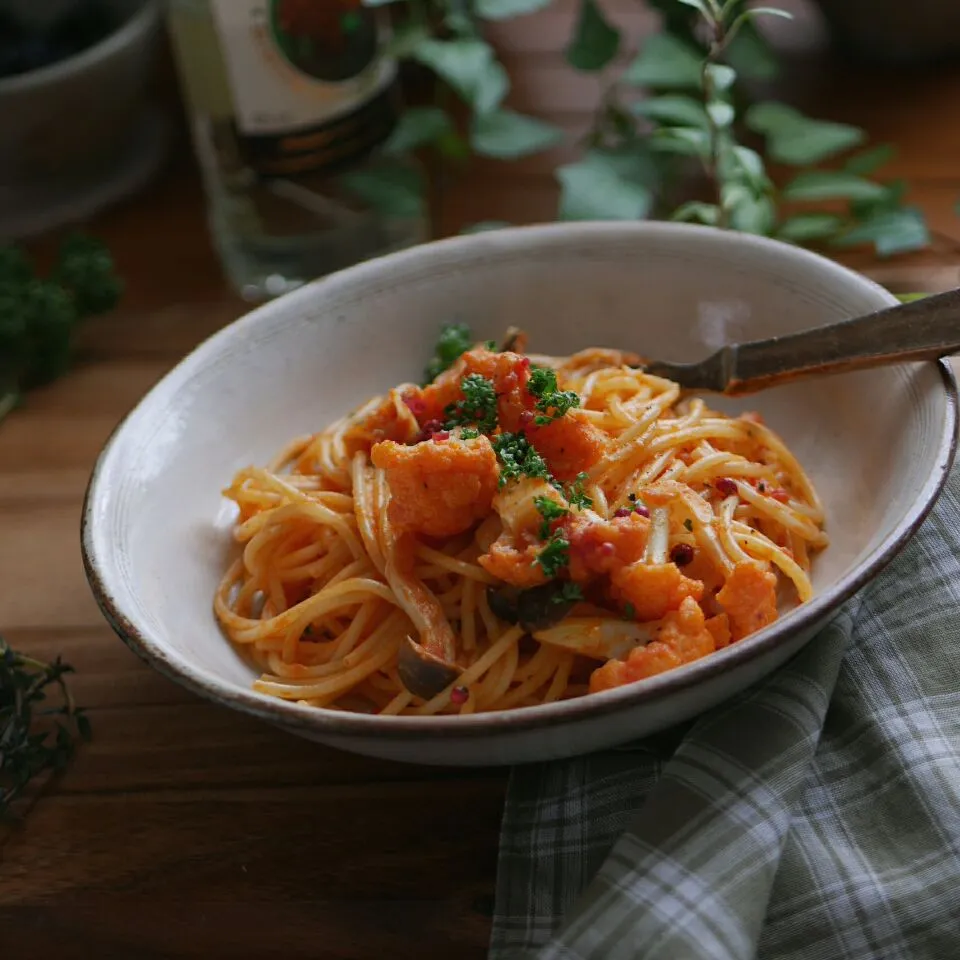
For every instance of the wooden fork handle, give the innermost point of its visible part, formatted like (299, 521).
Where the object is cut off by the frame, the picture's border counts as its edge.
(925, 329)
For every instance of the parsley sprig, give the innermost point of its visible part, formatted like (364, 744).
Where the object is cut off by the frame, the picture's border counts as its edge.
(576, 495)
(455, 339)
(549, 510)
(555, 556)
(552, 402)
(478, 406)
(519, 458)
(34, 737)
(39, 316)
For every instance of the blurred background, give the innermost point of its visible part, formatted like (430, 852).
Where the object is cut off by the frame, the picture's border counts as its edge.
(242, 149)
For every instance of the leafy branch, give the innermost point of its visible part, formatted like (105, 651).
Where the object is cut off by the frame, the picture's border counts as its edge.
(36, 736)
(39, 316)
(638, 151)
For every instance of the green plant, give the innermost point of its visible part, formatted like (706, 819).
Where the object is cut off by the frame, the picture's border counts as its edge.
(38, 317)
(36, 737)
(640, 152)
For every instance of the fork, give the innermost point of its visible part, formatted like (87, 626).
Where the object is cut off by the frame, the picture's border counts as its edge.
(925, 329)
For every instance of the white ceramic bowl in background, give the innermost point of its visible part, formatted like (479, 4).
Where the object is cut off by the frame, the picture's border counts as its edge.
(156, 532)
(79, 133)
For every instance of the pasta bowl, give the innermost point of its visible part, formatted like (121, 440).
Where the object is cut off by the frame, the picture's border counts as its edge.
(158, 534)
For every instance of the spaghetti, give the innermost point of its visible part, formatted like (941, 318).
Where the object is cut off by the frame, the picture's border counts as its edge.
(520, 530)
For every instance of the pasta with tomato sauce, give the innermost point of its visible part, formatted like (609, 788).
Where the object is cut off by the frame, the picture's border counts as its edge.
(519, 529)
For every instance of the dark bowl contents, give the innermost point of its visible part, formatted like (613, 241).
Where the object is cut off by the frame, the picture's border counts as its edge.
(23, 49)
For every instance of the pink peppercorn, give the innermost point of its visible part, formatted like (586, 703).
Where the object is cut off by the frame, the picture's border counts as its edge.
(526, 420)
(623, 512)
(459, 695)
(681, 554)
(642, 510)
(726, 486)
(441, 435)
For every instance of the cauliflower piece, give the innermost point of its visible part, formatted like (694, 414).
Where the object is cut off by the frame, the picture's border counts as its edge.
(682, 637)
(438, 488)
(653, 589)
(569, 444)
(749, 598)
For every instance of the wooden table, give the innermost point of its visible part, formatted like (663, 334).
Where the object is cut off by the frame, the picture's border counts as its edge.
(186, 830)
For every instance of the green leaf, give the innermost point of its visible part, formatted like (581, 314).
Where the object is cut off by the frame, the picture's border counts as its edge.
(378, 3)
(683, 140)
(870, 160)
(417, 126)
(751, 163)
(751, 56)
(721, 76)
(696, 212)
(393, 189)
(604, 185)
(890, 231)
(672, 108)
(504, 9)
(720, 113)
(795, 139)
(701, 6)
(768, 12)
(805, 227)
(470, 67)
(505, 135)
(595, 41)
(832, 185)
(484, 226)
(405, 40)
(665, 61)
(753, 214)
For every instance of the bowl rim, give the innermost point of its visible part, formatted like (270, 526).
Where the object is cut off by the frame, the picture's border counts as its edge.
(319, 720)
(138, 24)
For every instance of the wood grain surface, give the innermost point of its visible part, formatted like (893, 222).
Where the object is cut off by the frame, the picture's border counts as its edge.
(185, 830)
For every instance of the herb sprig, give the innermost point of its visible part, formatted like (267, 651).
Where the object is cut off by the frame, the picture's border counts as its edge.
(552, 402)
(478, 406)
(519, 458)
(38, 317)
(549, 510)
(555, 556)
(35, 737)
(455, 340)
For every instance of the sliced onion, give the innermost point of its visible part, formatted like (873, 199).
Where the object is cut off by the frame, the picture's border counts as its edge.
(598, 637)
(659, 540)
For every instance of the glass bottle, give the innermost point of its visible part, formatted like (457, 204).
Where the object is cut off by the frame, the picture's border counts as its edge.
(291, 104)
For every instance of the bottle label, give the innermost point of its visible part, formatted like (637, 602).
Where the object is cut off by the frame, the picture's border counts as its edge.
(310, 86)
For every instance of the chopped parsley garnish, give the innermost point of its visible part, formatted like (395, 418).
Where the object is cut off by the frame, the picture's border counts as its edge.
(550, 510)
(568, 593)
(629, 611)
(576, 495)
(478, 406)
(469, 433)
(455, 339)
(519, 458)
(552, 402)
(554, 556)
(491, 345)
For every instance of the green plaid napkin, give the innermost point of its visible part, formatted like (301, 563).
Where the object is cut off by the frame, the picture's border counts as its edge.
(815, 817)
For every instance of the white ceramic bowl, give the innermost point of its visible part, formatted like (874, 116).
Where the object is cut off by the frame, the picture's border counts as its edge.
(156, 532)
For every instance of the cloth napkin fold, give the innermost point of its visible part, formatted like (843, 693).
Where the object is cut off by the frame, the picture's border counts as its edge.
(814, 817)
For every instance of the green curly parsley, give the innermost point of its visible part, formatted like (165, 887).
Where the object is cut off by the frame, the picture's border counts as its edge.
(552, 402)
(555, 556)
(519, 458)
(549, 510)
(455, 339)
(478, 406)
